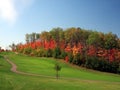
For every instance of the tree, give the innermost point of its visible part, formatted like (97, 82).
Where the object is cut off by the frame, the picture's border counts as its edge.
(57, 68)
(45, 36)
(37, 36)
(95, 41)
(57, 35)
(27, 38)
(57, 52)
(111, 41)
(70, 35)
(13, 47)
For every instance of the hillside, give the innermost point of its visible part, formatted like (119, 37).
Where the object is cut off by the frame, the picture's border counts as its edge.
(71, 78)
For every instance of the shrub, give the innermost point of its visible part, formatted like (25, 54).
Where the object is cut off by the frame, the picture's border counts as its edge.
(57, 52)
(118, 70)
(27, 50)
(92, 62)
(49, 53)
(40, 52)
(78, 59)
(63, 54)
(114, 67)
(70, 57)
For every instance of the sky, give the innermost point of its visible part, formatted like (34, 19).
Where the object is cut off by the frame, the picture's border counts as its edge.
(18, 17)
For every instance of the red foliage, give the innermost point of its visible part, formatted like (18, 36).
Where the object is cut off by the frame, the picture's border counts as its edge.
(49, 44)
(62, 45)
(91, 51)
(68, 48)
(66, 58)
(111, 55)
(52, 44)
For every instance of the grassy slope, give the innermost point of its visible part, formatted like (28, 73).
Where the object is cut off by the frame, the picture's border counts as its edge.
(12, 81)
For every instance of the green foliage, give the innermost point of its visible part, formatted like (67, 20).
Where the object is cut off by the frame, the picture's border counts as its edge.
(57, 52)
(114, 67)
(70, 57)
(45, 35)
(57, 34)
(111, 41)
(27, 50)
(102, 65)
(48, 53)
(94, 39)
(57, 68)
(78, 59)
(63, 54)
(118, 70)
(40, 52)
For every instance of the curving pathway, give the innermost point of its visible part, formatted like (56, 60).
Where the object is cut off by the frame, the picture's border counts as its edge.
(14, 69)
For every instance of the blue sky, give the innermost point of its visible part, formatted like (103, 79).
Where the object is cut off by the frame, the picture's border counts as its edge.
(18, 17)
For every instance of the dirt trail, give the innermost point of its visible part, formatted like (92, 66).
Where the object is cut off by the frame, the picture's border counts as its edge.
(14, 69)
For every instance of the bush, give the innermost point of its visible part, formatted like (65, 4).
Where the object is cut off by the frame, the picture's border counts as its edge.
(102, 65)
(27, 50)
(40, 52)
(48, 53)
(92, 63)
(57, 52)
(114, 67)
(78, 59)
(118, 70)
(70, 57)
(57, 68)
(63, 54)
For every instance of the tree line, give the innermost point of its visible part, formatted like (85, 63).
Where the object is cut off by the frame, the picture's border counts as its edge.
(87, 48)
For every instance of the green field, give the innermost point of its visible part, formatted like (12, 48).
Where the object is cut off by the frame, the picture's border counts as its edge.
(71, 77)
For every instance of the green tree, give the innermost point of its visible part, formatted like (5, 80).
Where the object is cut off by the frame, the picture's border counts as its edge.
(94, 39)
(111, 41)
(57, 34)
(45, 36)
(70, 35)
(57, 69)
(57, 52)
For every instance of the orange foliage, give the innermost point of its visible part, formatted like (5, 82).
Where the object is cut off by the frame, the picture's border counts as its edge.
(68, 48)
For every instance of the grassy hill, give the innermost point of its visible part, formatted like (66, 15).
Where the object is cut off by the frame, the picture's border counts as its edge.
(71, 77)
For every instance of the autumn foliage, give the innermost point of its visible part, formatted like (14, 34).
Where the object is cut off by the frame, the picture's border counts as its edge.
(90, 49)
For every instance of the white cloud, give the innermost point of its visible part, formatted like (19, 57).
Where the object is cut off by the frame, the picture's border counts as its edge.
(9, 9)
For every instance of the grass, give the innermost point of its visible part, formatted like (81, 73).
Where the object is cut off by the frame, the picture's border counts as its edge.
(84, 79)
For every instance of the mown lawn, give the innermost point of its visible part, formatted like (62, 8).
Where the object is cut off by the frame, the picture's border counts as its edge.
(74, 78)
